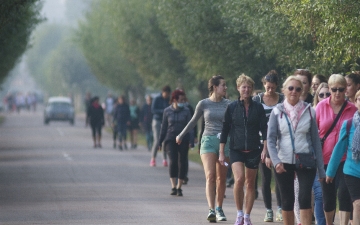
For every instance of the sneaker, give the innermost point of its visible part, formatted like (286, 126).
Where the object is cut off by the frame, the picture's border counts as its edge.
(279, 217)
(179, 192)
(247, 221)
(120, 147)
(165, 162)
(211, 217)
(152, 162)
(173, 191)
(239, 220)
(220, 216)
(185, 181)
(269, 216)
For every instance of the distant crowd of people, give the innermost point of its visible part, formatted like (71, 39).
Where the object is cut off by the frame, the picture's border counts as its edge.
(17, 101)
(307, 136)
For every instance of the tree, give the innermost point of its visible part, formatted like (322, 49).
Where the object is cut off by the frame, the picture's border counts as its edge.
(18, 18)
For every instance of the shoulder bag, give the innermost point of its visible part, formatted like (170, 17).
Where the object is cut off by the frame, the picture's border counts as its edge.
(303, 161)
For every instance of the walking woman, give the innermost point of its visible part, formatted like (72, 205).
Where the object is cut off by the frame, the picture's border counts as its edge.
(175, 118)
(306, 77)
(212, 109)
(321, 93)
(95, 116)
(122, 120)
(330, 115)
(293, 123)
(243, 121)
(353, 85)
(269, 99)
(349, 143)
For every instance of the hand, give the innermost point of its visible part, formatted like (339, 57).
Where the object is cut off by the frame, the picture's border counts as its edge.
(280, 168)
(329, 179)
(263, 156)
(222, 158)
(178, 140)
(268, 162)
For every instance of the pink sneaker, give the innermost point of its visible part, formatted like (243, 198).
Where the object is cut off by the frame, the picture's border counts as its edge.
(247, 221)
(152, 162)
(165, 162)
(239, 220)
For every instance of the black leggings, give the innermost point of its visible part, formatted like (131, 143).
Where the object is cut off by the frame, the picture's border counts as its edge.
(266, 175)
(286, 185)
(96, 128)
(329, 192)
(178, 158)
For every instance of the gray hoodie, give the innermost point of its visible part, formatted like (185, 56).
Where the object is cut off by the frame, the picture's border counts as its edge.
(306, 137)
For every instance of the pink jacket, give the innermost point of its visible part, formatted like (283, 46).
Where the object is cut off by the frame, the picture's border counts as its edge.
(324, 118)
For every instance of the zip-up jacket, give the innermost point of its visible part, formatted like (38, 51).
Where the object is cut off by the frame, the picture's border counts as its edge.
(158, 106)
(324, 118)
(174, 121)
(244, 129)
(122, 114)
(305, 136)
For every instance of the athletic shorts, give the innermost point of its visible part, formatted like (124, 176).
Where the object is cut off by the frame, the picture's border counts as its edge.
(211, 144)
(250, 159)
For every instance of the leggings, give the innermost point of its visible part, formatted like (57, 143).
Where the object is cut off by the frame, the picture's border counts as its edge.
(266, 175)
(121, 130)
(178, 158)
(96, 128)
(286, 185)
(329, 192)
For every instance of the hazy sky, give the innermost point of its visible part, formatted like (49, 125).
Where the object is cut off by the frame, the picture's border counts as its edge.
(54, 10)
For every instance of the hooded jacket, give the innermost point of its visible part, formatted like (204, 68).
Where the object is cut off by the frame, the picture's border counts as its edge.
(305, 136)
(174, 121)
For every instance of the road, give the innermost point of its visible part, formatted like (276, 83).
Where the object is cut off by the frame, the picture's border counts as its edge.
(52, 175)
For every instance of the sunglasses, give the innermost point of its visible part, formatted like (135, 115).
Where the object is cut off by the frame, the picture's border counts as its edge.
(297, 89)
(337, 89)
(327, 94)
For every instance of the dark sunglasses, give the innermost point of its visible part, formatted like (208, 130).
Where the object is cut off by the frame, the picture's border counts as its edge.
(337, 89)
(297, 89)
(327, 94)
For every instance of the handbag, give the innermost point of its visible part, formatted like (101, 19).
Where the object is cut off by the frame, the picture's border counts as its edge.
(322, 140)
(303, 161)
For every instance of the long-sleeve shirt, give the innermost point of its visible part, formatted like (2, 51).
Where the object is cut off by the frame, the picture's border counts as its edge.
(344, 145)
(213, 113)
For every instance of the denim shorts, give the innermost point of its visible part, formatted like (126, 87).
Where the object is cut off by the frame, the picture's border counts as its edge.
(211, 144)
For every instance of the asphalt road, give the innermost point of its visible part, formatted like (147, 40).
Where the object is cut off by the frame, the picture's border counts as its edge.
(52, 175)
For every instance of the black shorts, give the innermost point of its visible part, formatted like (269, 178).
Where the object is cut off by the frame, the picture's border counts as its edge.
(250, 159)
(353, 184)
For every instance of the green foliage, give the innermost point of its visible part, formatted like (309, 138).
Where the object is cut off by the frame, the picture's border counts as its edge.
(17, 20)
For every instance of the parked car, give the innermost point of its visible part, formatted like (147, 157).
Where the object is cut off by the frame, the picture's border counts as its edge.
(59, 109)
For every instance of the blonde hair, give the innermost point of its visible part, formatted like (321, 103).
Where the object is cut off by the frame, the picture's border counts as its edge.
(244, 79)
(357, 95)
(337, 79)
(290, 78)
(316, 97)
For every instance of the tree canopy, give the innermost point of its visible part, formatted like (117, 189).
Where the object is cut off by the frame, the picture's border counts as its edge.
(18, 18)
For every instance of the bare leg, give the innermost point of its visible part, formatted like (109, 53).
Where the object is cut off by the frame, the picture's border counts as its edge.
(179, 183)
(344, 217)
(221, 172)
(329, 216)
(238, 169)
(288, 217)
(209, 162)
(250, 177)
(173, 182)
(305, 216)
(356, 212)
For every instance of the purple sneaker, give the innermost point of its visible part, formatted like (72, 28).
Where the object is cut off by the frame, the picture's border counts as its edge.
(247, 221)
(239, 220)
